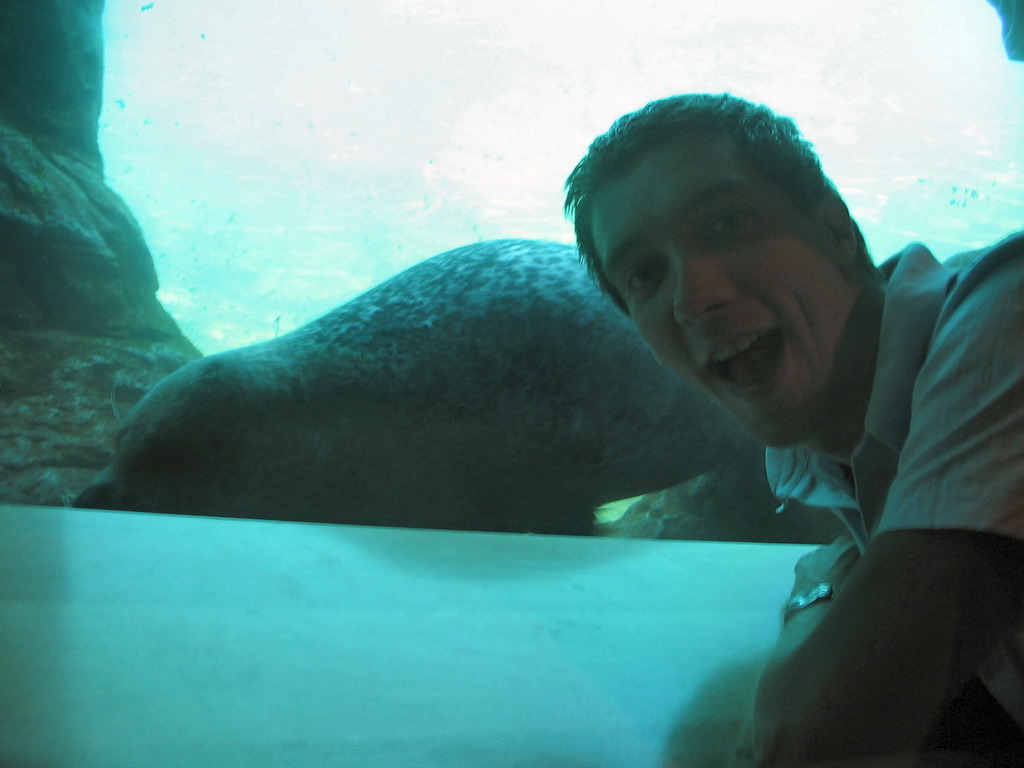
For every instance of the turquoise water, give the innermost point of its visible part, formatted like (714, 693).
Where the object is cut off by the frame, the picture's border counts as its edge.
(282, 158)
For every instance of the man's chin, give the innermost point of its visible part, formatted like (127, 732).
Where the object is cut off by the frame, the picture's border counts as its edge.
(778, 433)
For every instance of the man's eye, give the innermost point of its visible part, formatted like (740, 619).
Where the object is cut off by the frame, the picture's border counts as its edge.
(724, 226)
(642, 278)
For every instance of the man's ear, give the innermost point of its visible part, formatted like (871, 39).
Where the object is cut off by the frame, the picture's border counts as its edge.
(836, 216)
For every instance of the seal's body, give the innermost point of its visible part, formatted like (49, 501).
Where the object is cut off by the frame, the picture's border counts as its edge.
(491, 387)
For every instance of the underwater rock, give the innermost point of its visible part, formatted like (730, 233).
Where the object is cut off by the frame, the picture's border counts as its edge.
(73, 257)
(51, 57)
(718, 505)
(491, 387)
(61, 396)
(82, 334)
(1011, 13)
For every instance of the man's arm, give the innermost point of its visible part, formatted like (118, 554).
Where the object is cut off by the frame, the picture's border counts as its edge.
(907, 628)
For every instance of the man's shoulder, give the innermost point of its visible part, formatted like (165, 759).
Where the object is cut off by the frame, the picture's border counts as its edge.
(1012, 244)
(977, 260)
(994, 262)
(913, 275)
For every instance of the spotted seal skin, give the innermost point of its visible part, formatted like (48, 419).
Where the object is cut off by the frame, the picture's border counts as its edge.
(491, 387)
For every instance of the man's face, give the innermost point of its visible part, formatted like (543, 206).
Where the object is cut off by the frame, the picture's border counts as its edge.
(732, 286)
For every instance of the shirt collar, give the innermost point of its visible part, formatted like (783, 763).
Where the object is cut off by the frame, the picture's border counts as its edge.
(913, 298)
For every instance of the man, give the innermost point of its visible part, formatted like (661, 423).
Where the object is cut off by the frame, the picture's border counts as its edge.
(896, 401)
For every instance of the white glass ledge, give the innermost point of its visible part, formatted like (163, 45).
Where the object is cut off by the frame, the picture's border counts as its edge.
(161, 640)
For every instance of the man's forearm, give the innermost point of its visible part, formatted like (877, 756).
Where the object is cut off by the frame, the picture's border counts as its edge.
(869, 674)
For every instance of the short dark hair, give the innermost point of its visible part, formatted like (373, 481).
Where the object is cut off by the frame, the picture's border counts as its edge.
(770, 143)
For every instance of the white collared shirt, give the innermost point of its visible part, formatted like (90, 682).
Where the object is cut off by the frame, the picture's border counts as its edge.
(943, 444)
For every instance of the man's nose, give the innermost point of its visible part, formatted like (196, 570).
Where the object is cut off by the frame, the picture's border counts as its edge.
(703, 285)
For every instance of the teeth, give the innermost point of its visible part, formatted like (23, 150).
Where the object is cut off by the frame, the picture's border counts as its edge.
(734, 349)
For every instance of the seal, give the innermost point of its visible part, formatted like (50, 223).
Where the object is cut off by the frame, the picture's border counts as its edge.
(492, 387)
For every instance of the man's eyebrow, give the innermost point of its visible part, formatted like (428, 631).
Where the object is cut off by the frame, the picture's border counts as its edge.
(703, 197)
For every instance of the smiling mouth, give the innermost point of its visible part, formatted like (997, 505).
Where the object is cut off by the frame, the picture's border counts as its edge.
(749, 362)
